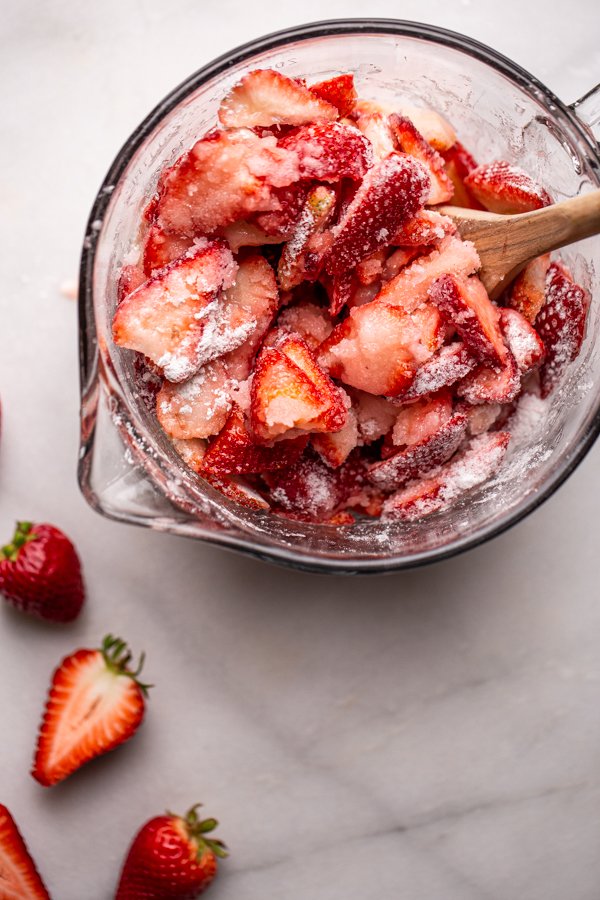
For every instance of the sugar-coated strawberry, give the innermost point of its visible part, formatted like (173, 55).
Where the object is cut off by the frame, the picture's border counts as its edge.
(418, 459)
(96, 702)
(411, 141)
(171, 858)
(398, 259)
(419, 420)
(371, 269)
(285, 206)
(458, 164)
(427, 228)
(409, 289)
(302, 256)
(19, 877)
(311, 322)
(561, 325)
(466, 305)
(236, 488)
(338, 91)
(313, 490)
(234, 452)
(131, 277)
(522, 340)
(198, 407)
(266, 97)
(291, 393)
(247, 234)
(392, 191)
(436, 130)
(504, 188)
(335, 448)
(330, 151)
(527, 292)
(166, 317)
(468, 470)
(481, 417)
(161, 248)
(451, 363)
(375, 416)
(225, 176)
(40, 573)
(377, 129)
(490, 383)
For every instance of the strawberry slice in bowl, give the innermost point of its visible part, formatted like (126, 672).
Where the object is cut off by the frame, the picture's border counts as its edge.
(466, 305)
(338, 91)
(266, 97)
(330, 152)
(411, 141)
(504, 188)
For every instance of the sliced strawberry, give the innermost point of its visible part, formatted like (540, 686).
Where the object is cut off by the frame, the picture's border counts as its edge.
(291, 394)
(465, 303)
(378, 348)
(131, 277)
(95, 703)
(521, 339)
(341, 290)
(147, 381)
(224, 177)
(192, 451)
(247, 234)
(285, 206)
(471, 468)
(409, 289)
(527, 294)
(310, 322)
(412, 142)
(436, 130)
(233, 451)
(339, 92)
(504, 188)
(312, 489)
(236, 488)
(19, 877)
(199, 407)
(491, 384)
(561, 325)
(302, 256)
(418, 459)
(377, 129)
(480, 418)
(427, 228)
(418, 421)
(266, 97)
(398, 260)
(335, 448)
(165, 318)
(371, 269)
(330, 152)
(375, 416)
(459, 164)
(392, 191)
(451, 363)
(162, 248)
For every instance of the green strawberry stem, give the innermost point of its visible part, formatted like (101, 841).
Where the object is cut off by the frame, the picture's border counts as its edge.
(23, 534)
(197, 828)
(117, 657)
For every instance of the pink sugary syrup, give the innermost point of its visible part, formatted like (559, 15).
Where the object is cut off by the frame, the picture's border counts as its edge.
(312, 332)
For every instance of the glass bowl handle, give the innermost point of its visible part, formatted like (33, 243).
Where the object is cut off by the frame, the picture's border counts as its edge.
(587, 108)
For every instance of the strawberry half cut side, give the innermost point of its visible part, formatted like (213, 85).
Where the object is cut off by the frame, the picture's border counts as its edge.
(19, 877)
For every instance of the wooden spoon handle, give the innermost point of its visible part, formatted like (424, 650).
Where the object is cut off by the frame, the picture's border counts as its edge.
(534, 233)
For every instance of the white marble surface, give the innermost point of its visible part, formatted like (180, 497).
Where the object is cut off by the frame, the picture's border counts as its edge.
(430, 736)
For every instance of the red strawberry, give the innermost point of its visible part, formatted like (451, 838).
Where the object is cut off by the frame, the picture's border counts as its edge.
(131, 277)
(527, 294)
(166, 317)
(301, 258)
(95, 703)
(312, 490)
(339, 92)
(417, 459)
(341, 289)
(375, 415)
(335, 448)
(286, 204)
(171, 858)
(412, 142)
(330, 152)
(40, 573)
(436, 130)
(370, 269)
(198, 407)
(451, 363)
(491, 384)
(310, 322)
(392, 191)
(266, 97)
(522, 340)
(459, 164)
(376, 128)
(162, 248)
(19, 878)
(233, 451)
(236, 488)
(504, 188)
(466, 305)
(561, 324)
(426, 228)
(420, 420)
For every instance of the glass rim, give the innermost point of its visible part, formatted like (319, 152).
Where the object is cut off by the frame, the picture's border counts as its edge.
(321, 29)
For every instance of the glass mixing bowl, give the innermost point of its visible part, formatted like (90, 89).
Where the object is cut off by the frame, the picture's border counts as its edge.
(128, 469)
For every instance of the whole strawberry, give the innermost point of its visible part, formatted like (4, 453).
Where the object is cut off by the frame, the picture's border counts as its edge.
(40, 573)
(171, 859)
(96, 702)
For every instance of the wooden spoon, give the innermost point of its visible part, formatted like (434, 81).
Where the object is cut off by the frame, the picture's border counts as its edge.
(507, 243)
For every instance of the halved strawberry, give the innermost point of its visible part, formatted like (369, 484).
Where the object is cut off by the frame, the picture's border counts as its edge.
(310, 322)
(376, 128)
(490, 383)
(96, 702)
(291, 394)
(561, 324)
(504, 188)
(418, 459)
(266, 97)
(436, 130)
(375, 416)
(458, 164)
(335, 448)
(330, 152)
(392, 191)
(225, 176)
(166, 317)
(338, 91)
(234, 452)
(301, 257)
(471, 468)
(409, 289)
(465, 303)
(161, 248)
(521, 339)
(427, 228)
(19, 877)
(527, 293)
(418, 421)
(451, 363)
(411, 141)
